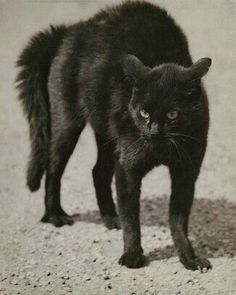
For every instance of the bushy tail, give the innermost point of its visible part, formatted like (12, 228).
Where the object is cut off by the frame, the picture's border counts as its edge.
(35, 62)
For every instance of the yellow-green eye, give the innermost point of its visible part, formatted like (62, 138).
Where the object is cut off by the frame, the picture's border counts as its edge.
(144, 114)
(172, 115)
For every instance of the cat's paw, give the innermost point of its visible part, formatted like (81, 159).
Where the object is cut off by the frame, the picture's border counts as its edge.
(58, 220)
(132, 259)
(197, 263)
(111, 222)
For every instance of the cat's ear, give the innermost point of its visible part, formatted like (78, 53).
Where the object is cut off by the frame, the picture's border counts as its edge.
(133, 68)
(199, 68)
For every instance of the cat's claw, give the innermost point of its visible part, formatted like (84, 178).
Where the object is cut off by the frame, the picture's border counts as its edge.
(111, 222)
(132, 260)
(58, 220)
(198, 263)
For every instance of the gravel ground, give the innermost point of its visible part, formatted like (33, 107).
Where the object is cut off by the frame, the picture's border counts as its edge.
(37, 258)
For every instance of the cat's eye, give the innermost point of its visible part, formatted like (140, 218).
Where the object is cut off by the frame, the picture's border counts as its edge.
(144, 114)
(172, 115)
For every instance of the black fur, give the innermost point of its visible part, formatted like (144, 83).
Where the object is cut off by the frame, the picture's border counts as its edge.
(35, 61)
(128, 72)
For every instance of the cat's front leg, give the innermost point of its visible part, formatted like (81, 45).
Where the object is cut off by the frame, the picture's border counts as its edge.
(128, 185)
(183, 182)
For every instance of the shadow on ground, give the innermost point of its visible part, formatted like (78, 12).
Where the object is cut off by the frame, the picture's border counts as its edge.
(212, 226)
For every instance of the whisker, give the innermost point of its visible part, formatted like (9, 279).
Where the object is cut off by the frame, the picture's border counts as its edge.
(183, 135)
(184, 152)
(139, 148)
(176, 148)
(133, 144)
(114, 138)
(170, 149)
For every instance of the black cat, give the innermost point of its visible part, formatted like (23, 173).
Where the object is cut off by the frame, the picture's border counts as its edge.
(128, 72)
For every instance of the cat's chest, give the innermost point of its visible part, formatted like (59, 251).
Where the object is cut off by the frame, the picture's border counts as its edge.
(140, 153)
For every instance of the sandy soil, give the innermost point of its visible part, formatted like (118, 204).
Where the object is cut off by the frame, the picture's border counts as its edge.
(36, 258)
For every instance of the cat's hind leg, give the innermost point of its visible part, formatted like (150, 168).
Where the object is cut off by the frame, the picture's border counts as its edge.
(102, 177)
(63, 140)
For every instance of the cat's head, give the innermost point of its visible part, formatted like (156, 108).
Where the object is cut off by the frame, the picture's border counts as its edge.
(165, 99)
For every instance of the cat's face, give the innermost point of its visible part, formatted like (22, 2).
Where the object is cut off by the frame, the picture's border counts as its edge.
(166, 100)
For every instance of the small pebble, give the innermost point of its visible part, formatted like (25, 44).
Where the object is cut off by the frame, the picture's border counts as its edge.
(116, 274)
(27, 283)
(86, 278)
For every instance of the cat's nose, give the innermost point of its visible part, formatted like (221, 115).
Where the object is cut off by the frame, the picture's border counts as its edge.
(154, 129)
